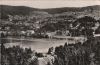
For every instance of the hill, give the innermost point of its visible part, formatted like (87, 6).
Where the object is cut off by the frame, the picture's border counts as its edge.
(26, 10)
(46, 19)
(16, 10)
(72, 9)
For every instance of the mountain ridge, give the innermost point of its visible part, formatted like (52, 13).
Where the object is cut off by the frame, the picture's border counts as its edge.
(27, 10)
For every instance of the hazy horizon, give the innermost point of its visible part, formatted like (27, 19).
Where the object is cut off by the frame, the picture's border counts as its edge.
(49, 4)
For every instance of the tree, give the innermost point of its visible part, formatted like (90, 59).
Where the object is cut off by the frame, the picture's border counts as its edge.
(86, 21)
(97, 31)
(87, 32)
(50, 50)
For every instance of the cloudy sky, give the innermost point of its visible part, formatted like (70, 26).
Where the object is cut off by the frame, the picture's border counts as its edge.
(50, 3)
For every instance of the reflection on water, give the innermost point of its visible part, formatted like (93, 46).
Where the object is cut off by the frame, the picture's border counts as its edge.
(40, 45)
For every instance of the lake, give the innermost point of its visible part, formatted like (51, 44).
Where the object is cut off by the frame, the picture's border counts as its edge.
(39, 45)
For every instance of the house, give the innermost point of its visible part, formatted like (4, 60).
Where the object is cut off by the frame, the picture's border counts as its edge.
(3, 33)
(96, 35)
(96, 38)
(30, 32)
(50, 34)
(96, 26)
(23, 33)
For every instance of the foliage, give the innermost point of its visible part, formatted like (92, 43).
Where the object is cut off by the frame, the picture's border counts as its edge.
(16, 56)
(78, 54)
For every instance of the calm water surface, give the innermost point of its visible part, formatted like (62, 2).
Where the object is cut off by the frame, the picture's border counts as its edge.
(39, 45)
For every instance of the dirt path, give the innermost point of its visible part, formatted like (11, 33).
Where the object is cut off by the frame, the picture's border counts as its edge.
(45, 60)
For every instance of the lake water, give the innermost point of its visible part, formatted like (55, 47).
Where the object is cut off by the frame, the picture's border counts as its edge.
(39, 45)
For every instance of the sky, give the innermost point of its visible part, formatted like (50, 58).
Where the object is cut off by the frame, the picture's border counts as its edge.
(50, 3)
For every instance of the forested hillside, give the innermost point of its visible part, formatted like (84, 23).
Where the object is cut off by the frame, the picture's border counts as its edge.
(71, 19)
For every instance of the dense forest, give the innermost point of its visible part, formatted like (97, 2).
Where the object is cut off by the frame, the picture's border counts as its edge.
(87, 53)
